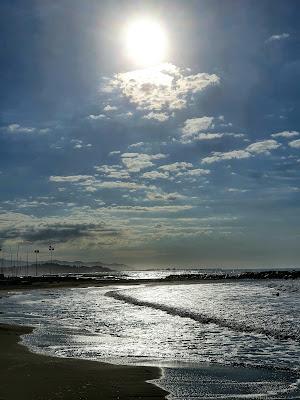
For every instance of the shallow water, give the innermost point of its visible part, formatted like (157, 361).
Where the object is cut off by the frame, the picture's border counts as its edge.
(178, 327)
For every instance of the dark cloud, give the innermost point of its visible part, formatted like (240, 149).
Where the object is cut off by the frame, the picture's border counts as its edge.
(58, 233)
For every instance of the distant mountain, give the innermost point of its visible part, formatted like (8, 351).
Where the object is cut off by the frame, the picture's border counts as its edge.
(89, 263)
(58, 267)
(55, 269)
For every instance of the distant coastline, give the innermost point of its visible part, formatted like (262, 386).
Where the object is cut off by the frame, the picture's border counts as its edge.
(90, 279)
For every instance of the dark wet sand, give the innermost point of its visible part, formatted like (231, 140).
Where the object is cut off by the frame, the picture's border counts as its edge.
(28, 376)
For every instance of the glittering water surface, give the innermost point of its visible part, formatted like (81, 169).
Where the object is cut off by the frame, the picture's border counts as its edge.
(253, 323)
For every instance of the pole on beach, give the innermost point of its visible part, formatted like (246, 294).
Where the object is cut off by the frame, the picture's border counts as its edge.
(36, 260)
(51, 249)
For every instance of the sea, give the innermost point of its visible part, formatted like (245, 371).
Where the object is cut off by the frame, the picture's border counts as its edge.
(212, 340)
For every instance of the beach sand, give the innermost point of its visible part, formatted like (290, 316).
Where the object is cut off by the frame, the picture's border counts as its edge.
(28, 376)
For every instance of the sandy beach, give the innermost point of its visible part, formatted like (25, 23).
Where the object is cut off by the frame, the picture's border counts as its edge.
(29, 376)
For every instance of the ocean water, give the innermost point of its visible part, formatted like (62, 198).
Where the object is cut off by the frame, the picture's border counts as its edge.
(212, 340)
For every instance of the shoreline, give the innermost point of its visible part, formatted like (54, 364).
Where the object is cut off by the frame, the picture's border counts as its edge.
(43, 377)
(32, 376)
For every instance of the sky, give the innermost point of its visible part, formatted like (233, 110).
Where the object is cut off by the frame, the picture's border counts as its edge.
(192, 161)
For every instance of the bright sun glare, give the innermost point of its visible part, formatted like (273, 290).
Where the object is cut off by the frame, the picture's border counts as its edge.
(146, 42)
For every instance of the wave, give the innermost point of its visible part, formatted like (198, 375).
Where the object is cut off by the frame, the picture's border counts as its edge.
(205, 319)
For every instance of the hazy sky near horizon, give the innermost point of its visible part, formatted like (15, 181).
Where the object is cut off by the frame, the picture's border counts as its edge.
(191, 161)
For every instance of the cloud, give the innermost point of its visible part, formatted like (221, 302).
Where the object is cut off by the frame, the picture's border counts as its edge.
(295, 144)
(193, 128)
(183, 169)
(176, 167)
(263, 146)
(286, 134)
(157, 196)
(112, 171)
(135, 162)
(201, 136)
(58, 232)
(115, 152)
(209, 136)
(151, 209)
(19, 129)
(125, 115)
(78, 144)
(108, 108)
(136, 145)
(16, 128)
(277, 37)
(160, 88)
(93, 185)
(115, 185)
(230, 155)
(195, 125)
(155, 175)
(96, 117)
(161, 117)
(69, 178)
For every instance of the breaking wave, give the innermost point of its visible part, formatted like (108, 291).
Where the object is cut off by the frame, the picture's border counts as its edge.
(205, 319)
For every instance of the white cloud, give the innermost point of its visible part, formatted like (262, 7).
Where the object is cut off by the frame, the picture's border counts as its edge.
(135, 162)
(115, 152)
(230, 155)
(151, 209)
(96, 117)
(194, 172)
(185, 139)
(17, 128)
(161, 196)
(69, 178)
(195, 129)
(280, 36)
(108, 107)
(201, 136)
(161, 117)
(161, 88)
(176, 167)
(236, 190)
(78, 144)
(136, 145)
(195, 125)
(286, 134)
(116, 185)
(125, 115)
(44, 130)
(209, 136)
(112, 171)
(263, 146)
(295, 144)
(155, 175)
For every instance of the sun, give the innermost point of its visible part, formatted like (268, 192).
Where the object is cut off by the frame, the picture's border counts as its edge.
(145, 42)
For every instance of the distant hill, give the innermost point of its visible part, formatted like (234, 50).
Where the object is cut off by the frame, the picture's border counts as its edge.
(59, 267)
(89, 263)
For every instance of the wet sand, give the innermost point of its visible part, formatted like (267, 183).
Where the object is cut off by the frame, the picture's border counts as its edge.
(28, 376)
